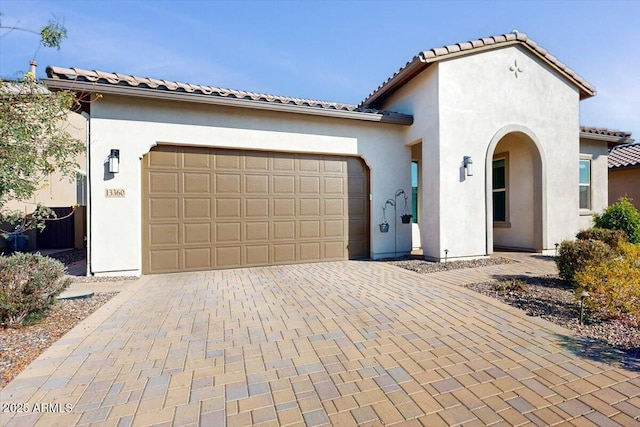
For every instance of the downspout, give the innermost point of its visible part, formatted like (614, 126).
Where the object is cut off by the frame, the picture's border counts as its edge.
(89, 222)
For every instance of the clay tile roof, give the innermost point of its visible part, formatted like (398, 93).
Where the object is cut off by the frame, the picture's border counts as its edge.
(605, 132)
(423, 59)
(93, 76)
(624, 156)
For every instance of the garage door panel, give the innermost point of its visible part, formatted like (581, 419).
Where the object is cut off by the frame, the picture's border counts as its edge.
(227, 159)
(227, 183)
(334, 207)
(197, 183)
(162, 208)
(284, 184)
(256, 208)
(161, 234)
(226, 232)
(284, 253)
(257, 255)
(197, 233)
(164, 261)
(207, 208)
(256, 184)
(228, 256)
(309, 185)
(284, 230)
(334, 228)
(196, 158)
(334, 250)
(256, 231)
(281, 163)
(334, 185)
(163, 182)
(309, 207)
(284, 207)
(228, 208)
(256, 162)
(164, 157)
(196, 208)
(310, 229)
(332, 166)
(197, 258)
(309, 165)
(310, 252)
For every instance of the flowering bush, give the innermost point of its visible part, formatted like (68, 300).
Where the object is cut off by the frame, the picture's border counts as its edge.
(29, 283)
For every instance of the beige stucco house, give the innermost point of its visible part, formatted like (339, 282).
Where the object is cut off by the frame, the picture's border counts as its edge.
(217, 178)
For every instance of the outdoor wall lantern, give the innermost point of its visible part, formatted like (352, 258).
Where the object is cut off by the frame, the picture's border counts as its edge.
(468, 165)
(114, 161)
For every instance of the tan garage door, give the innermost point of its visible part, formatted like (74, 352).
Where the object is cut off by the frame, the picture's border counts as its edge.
(206, 208)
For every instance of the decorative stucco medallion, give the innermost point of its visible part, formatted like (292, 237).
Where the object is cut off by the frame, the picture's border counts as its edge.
(515, 68)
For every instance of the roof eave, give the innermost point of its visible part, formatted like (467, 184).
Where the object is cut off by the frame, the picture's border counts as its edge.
(423, 60)
(90, 87)
(613, 139)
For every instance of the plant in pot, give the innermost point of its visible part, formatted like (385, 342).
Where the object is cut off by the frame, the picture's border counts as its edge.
(384, 225)
(406, 216)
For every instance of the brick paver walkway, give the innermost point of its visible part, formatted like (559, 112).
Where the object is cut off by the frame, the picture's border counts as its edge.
(344, 343)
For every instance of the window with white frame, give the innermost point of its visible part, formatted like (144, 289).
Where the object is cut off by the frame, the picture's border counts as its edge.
(585, 184)
(500, 211)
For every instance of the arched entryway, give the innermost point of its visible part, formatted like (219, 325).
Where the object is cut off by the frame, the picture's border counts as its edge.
(515, 171)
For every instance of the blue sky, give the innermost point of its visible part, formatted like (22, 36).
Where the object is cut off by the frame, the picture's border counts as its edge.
(331, 50)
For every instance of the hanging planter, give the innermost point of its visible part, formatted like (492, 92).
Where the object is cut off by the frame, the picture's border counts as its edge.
(384, 225)
(406, 216)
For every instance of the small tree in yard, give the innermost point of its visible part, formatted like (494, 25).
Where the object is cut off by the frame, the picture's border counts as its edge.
(33, 139)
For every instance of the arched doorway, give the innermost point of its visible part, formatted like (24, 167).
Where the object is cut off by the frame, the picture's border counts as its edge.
(515, 171)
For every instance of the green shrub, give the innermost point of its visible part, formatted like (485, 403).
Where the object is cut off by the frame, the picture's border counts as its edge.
(622, 215)
(29, 283)
(574, 256)
(613, 284)
(613, 238)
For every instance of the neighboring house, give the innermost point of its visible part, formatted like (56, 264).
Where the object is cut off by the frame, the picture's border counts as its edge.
(59, 194)
(624, 173)
(594, 147)
(217, 178)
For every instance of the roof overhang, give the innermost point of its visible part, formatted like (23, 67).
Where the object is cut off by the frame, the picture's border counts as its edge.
(425, 58)
(167, 95)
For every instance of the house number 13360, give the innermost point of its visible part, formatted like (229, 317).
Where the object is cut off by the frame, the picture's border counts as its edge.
(114, 192)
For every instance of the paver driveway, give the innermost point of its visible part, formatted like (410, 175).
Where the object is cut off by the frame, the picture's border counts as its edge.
(343, 343)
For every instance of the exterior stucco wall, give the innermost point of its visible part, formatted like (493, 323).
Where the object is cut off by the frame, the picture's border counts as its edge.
(466, 106)
(596, 151)
(419, 97)
(480, 95)
(624, 182)
(134, 126)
